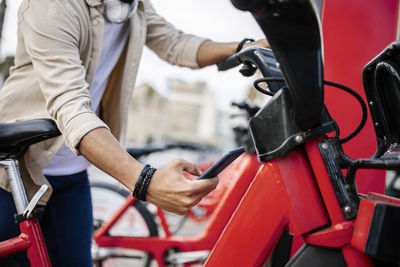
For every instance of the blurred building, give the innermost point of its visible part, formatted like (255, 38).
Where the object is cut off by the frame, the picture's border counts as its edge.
(188, 113)
(146, 121)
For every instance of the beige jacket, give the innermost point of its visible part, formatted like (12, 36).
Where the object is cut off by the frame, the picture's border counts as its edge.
(59, 45)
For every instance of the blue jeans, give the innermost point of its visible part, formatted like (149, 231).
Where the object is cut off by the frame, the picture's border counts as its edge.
(67, 222)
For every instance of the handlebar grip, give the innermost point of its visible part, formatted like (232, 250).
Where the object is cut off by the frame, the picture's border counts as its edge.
(229, 63)
(262, 58)
(256, 58)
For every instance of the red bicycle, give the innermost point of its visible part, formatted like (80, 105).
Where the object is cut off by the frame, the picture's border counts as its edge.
(301, 186)
(15, 138)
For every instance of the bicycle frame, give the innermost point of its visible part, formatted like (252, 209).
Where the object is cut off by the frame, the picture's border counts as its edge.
(243, 170)
(31, 238)
(294, 185)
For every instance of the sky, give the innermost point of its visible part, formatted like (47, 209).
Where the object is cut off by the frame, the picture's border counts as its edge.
(214, 19)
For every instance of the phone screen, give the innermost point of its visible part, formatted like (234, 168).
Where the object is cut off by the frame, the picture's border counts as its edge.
(222, 163)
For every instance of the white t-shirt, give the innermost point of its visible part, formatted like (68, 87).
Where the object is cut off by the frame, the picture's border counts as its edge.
(115, 37)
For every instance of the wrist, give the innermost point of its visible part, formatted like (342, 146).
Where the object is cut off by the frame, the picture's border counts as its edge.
(211, 52)
(128, 171)
(143, 182)
(242, 43)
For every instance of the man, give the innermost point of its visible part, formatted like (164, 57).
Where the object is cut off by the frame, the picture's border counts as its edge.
(78, 68)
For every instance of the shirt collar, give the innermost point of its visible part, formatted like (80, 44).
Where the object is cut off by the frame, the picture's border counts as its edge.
(94, 3)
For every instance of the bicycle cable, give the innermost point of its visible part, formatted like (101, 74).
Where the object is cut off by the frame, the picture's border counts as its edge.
(337, 85)
(363, 109)
(266, 80)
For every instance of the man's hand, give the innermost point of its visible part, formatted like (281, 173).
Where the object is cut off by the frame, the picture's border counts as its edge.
(261, 43)
(170, 190)
(211, 52)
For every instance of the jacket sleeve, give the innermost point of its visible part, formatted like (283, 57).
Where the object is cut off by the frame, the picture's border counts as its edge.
(168, 43)
(51, 35)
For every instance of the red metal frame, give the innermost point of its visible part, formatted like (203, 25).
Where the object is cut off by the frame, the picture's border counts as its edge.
(286, 197)
(241, 174)
(287, 193)
(31, 240)
(293, 192)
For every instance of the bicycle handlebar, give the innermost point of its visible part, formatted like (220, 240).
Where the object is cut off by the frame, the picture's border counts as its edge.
(292, 28)
(262, 58)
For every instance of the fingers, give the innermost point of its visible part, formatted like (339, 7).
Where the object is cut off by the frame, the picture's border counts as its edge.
(187, 166)
(261, 43)
(171, 191)
(200, 196)
(197, 186)
(195, 199)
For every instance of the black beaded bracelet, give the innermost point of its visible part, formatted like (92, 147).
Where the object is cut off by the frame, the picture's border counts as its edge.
(241, 44)
(139, 182)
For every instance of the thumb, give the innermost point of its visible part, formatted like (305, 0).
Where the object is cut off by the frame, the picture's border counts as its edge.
(205, 186)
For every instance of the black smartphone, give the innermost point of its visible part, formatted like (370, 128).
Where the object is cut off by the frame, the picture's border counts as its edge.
(222, 163)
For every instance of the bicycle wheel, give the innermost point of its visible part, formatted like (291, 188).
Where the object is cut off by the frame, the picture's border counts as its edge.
(136, 221)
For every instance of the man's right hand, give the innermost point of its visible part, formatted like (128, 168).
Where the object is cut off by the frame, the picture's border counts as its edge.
(170, 190)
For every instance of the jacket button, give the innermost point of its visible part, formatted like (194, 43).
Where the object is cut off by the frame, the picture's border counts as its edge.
(95, 22)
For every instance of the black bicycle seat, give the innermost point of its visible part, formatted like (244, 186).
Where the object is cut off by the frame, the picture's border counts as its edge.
(16, 137)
